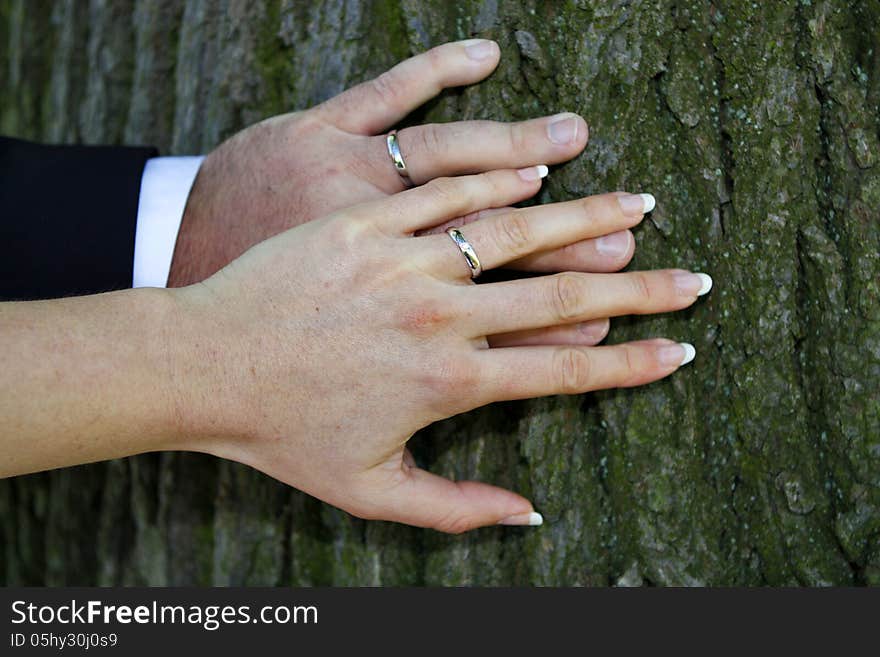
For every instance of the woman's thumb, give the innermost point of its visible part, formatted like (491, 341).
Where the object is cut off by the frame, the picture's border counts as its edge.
(427, 500)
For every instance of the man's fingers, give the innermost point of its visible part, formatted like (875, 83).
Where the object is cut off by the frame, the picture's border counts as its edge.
(445, 199)
(525, 372)
(451, 149)
(464, 220)
(374, 106)
(576, 297)
(427, 500)
(586, 333)
(499, 239)
(608, 253)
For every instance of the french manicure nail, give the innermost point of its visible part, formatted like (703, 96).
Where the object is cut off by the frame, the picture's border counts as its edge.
(614, 245)
(676, 355)
(563, 128)
(479, 49)
(689, 352)
(524, 519)
(636, 204)
(688, 284)
(531, 174)
(707, 284)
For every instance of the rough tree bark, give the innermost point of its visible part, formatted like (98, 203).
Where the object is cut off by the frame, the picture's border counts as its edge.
(756, 127)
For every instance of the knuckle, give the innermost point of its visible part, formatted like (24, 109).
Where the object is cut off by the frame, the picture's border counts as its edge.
(435, 58)
(452, 523)
(452, 379)
(567, 297)
(429, 140)
(494, 186)
(514, 233)
(572, 370)
(629, 365)
(461, 377)
(517, 140)
(447, 192)
(345, 232)
(304, 125)
(588, 209)
(425, 318)
(440, 188)
(640, 286)
(386, 86)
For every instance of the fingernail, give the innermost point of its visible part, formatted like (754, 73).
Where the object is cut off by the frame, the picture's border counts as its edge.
(523, 519)
(614, 245)
(676, 354)
(531, 174)
(689, 352)
(707, 284)
(635, 204)
(563, 128)
(692, 285)
(479, 49)
(595, 329)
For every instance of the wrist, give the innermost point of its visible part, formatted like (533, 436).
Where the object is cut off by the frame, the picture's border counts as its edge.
(166, 351)
(201, 242)
(196, 353)
(192, 234)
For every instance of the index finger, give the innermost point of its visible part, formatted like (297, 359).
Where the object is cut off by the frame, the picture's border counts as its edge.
(374, 106)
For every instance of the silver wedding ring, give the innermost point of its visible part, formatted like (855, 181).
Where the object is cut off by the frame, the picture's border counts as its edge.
(396, 156)
(470, 256)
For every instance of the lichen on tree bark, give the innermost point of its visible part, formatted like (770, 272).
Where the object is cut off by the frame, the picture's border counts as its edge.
(756, 126)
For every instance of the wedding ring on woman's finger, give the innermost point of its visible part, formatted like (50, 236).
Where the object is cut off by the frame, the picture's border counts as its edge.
(470, 256)
(503, 237)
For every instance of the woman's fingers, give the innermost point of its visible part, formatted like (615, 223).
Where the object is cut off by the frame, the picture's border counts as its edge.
(608, 253)
(450, 149)
(505, 237)
(428, 500)
(576, 297)
(374, 106)
(585, 333)
(524, 372)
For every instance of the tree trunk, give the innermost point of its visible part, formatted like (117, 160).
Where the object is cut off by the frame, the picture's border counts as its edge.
(756, 127)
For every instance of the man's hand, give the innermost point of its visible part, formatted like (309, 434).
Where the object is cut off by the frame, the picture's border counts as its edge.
(293, 168)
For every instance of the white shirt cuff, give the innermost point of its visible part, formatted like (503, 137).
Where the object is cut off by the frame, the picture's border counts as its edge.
(165, 187)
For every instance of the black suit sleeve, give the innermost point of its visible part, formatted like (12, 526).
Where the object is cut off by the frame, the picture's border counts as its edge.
(67, 218)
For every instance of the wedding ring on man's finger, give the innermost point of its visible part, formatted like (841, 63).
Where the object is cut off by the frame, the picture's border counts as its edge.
(393, 144)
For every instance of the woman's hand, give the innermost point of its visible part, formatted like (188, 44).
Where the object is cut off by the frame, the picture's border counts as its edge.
(293, 168)
(322, 350)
